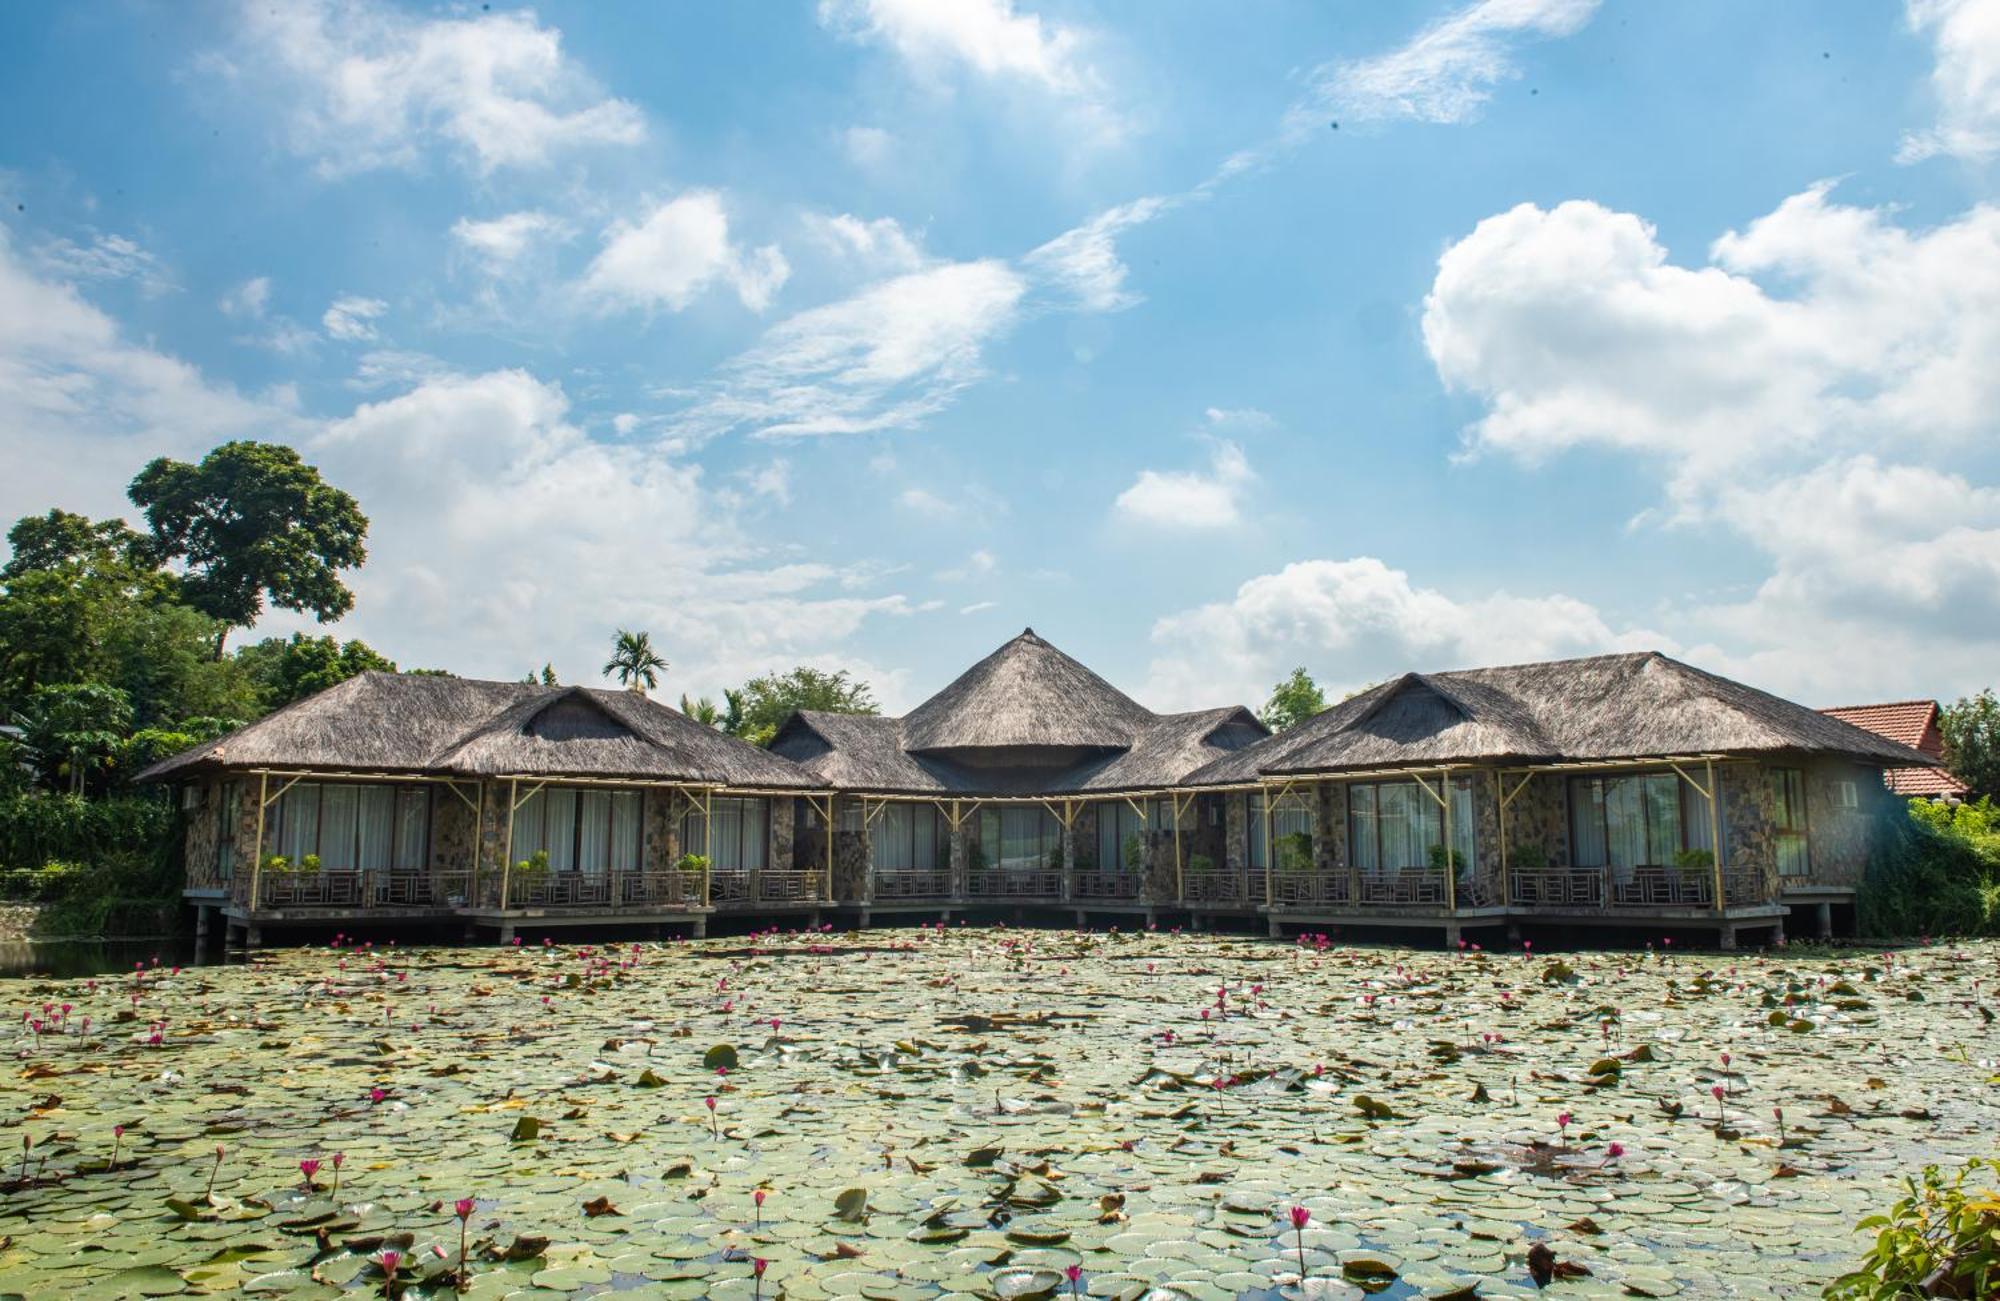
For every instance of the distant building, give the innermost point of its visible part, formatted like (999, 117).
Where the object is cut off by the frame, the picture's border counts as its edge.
(1913, 723)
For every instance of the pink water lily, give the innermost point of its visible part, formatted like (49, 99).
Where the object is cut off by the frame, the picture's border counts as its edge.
(309, 1167)
(1300, 1218)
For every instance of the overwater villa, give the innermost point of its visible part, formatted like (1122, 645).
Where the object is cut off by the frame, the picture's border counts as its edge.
(1627, 792)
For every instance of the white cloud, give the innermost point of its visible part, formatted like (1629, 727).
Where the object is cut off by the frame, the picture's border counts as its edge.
(369, 86)
(675, 252)
(987, 36)
(248, 299)
(773, 480)
(1447, 72)
(500, 243)
(1965, 80)
(885, 358)
(925, 502)
(353, 318)
(977, 606)
(1083, 262)
(1353, 622)
(1189, 499)
(868, 147)
(979, 564)
(880, 245)
(1574, 329)
(106, 257)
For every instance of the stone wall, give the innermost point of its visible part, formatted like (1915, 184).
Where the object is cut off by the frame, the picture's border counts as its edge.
(660, 813)
(852, 853)
(454, 827)
(1483, 872)
(1085, 840)
(1211, 834)
(1236, 832)
(1538, 817)
(204, 834)
(1746, 811)
(781, 854)
(1329, 805)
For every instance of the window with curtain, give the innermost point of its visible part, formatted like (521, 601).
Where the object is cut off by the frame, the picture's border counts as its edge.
(1018, 836)
(1392, 825)
(1291, 816)
(738, 833)
(1634, 819)
(904, 837)
(1788, 815)
(231, 808)
(1118, 822)
(580, 829)
(353, 827)
(1464, 834)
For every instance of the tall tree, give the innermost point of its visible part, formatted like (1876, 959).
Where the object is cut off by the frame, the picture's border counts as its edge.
(634, 661)
(1292, 701)
(253, 523)
(1971, 731)
(757, 710)
(702, 711)
(74, 728)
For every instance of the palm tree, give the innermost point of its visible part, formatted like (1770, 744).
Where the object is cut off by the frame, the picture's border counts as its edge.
(702, 711)
(634, 661)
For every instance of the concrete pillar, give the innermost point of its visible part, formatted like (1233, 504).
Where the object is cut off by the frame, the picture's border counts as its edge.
(1079, 918)
(1778, 933)
(201, 916)
(699, 929)
(1823, 920)
(253, 936)
(1725, 936)
(861, 919)
(1277, 928)
(1451, 934)
(506, 932)
(1067, 840)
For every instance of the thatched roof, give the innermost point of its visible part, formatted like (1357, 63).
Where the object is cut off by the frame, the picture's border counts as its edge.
(1026, 694)
(867, 753)
(1605, 707)
(397, 723)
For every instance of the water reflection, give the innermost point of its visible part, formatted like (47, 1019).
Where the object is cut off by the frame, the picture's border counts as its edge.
(69, 959)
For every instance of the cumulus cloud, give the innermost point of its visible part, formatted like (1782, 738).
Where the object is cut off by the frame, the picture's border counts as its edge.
(879, 245)
(987, 37)
(1355, 622)
(500, 243)
(369, 86)
(1189, 500)
(1965, 80)
(352, 318)
(677, 251)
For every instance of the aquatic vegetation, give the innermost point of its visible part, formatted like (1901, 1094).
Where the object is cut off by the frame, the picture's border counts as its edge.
(972, 1111)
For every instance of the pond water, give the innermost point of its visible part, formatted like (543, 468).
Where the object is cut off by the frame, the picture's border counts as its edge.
(972, 1112)
(66, 958)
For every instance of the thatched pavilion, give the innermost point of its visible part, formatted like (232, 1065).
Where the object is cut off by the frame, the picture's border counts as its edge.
(1617, 791)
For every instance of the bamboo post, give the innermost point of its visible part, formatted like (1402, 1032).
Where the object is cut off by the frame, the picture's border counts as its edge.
(507, 843)
(1715, 838)
(827, 887)
(1180, 880)
(1450, 847)
(707, 846)
(1270, 854)
(257, 850)
(478, 843)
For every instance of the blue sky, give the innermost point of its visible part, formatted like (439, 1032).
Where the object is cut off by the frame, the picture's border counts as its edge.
(1209, 340)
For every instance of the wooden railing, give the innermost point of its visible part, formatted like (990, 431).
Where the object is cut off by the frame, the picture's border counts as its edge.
(787, 886)
(1404, 887)
(1555, 887)
(1308, 889)
(1220, 886)
(1014, 883)
(384, 888)
(913, 883)
(1644, 887)
(1103, 886)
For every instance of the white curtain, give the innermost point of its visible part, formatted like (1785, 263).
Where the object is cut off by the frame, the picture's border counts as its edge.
(1586, 796)
(594, 832)
(1464, 835)
(625, 831)
(413, 829)
(559, 829)
(528, 824)
(338, 814)
(376, 813)
(1362, 829)
(298, 822)
(923, 849)
(889, 842)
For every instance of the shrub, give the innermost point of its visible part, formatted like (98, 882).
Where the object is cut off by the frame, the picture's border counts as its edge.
(691, 863)
(1937, 1240)
(1295, 851)
(1927, 877)
(1693, 860)
(1135, 852)
(535, 864)
(1200, 863)
(1529, 858)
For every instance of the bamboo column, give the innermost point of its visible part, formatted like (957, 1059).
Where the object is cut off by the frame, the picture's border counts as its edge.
(257, 850)
(1715, 838)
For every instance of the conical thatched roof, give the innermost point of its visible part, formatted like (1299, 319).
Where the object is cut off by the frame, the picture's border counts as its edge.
(397, 723)
(1027, 694)
(1605, 707)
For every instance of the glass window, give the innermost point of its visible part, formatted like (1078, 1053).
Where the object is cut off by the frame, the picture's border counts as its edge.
(1788, 817)
(1464, 834)
(353, 827)
(1632, 820)
(1019, 836)
(1291, 817)
(225, 837)
(737, 833)
(905, 837)
(1393, 825)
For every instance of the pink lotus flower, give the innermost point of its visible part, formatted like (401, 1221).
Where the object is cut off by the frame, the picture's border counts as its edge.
(309, 1167)
(1615, 1151)
(463, 1208)
(376, 1095)
(1301, 1217)
(391, 1261)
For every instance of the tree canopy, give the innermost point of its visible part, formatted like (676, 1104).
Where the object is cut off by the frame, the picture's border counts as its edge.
(293, 668)
(1292, 701)
(754, 711)
(1971, 731)
(251, 523)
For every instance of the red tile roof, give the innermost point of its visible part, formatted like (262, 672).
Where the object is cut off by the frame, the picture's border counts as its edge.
(1912, 723)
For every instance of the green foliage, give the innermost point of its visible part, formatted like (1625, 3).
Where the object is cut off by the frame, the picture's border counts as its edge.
(1200, 863)
(691, 863)
(253, 522)
(289, 669)
(634, 661)
(535, 864)
(1292, 701)
(98, 865)
(1693, 860)
(1295, 851)
(1440, 858)
(1135, 851)
(1927, 877)
(1529, 858)
(760, 707)
(74, 729)
(702, 711)
(1937, 1240)
(1971, 731)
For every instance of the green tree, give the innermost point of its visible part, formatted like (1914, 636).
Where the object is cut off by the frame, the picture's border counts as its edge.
(75, 727)
(634, 661)
(1292, 701)
(756, 711)
(1971, 732)
(702, 711)
(62, 540)
(293, 668)
(253, 523)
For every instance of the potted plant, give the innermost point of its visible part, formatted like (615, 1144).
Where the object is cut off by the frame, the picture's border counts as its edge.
(1530, 858)
(1295, 851)
(1135, 852)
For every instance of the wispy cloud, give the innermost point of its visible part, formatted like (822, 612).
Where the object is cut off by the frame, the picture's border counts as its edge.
(352, 318)
(1965, 80)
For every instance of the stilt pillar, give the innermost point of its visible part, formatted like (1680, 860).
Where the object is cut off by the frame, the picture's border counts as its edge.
(1451, 935)
(1725, 936)
(506, 932)
(1823, 920)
